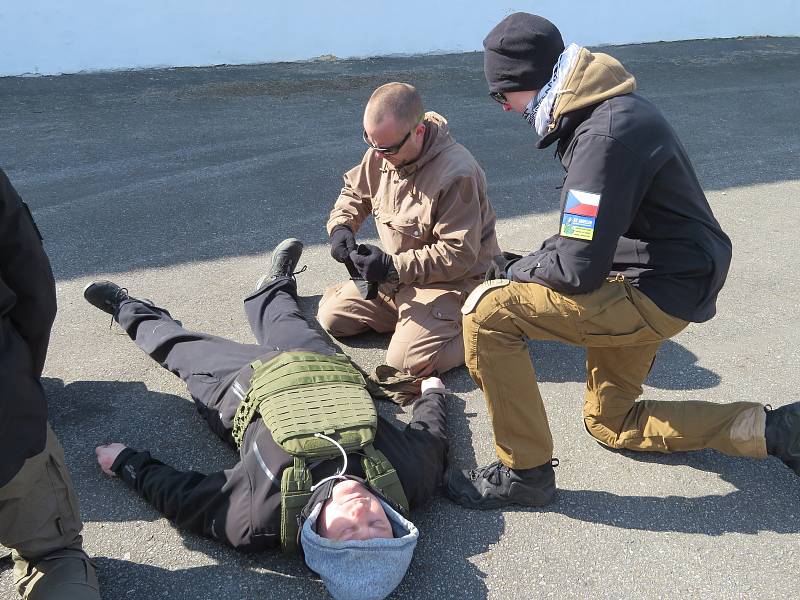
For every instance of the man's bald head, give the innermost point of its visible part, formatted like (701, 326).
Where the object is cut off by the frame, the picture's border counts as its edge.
(399, 101)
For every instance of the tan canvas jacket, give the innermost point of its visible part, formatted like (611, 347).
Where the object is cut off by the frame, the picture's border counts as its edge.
(432, 215)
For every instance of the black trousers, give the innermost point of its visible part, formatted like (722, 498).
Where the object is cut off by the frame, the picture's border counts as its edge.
(217, 370)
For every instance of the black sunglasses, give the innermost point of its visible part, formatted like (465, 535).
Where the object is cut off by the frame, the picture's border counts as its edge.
(498, 97)
(389, 150)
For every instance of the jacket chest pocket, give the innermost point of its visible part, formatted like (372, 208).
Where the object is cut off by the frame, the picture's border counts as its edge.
(400, 234)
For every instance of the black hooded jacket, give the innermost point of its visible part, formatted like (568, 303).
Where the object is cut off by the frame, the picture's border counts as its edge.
(27, 311)
(653, 223)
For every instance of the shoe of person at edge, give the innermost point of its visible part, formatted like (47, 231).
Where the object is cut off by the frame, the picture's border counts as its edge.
(783, 434)
(497, 485)
(284, 261)
(105, 295)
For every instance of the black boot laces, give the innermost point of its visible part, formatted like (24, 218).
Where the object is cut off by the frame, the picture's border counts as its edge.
(119, 296)
(495, 471)
(492, 473)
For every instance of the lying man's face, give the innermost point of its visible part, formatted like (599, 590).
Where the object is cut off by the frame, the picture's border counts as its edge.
(353, 513)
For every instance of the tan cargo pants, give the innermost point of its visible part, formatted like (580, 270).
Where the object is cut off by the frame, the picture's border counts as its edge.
(426, 321)
(39, 520)
(621, 329)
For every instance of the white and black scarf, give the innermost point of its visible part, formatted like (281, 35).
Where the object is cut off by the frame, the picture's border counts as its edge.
(539, 112)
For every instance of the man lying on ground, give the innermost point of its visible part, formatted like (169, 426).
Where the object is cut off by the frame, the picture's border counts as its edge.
(318, 471)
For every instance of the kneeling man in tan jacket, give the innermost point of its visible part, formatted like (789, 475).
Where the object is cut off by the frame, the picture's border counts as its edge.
(428, 196)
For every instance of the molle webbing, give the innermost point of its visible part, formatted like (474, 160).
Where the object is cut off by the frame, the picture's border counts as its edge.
(299, 394)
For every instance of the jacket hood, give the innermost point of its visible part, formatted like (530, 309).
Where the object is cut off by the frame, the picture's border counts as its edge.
(437, 138)
(594, 78)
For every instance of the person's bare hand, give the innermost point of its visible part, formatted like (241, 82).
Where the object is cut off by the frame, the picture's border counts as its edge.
(107, 454)
(433, 383)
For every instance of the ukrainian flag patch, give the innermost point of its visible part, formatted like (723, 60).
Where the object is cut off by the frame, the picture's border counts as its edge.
(575, 226)
(580, 214)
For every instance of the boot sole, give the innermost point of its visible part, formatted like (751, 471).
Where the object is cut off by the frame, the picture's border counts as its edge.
(489, 503)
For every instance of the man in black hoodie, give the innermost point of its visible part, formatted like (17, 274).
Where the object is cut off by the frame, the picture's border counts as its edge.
(637, 257)
(353, 537)
(39, 516)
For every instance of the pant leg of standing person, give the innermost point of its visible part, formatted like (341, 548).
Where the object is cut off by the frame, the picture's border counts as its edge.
(278, 323)
(39, 518)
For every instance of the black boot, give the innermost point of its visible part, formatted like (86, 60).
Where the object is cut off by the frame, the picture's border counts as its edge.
(497, 485)
(284, 261)
(105, 295)
(783, 434)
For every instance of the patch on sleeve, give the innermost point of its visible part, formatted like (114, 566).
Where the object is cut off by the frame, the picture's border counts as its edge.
(580, 214)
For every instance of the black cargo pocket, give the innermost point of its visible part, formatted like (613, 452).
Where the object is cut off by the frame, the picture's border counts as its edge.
(67, 519)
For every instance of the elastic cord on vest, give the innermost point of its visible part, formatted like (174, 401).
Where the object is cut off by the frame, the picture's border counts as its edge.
(338, 474)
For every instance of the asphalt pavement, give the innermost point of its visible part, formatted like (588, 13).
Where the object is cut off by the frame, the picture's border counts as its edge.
(178, 183)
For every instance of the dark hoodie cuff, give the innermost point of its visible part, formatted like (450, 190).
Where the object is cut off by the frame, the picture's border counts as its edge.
(127, 464)
(341, 226)
(431, 404)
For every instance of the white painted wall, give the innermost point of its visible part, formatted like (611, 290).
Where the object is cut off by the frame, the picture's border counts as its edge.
(66, 36)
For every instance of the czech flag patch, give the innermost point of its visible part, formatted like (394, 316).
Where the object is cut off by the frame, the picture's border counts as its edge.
(580, 213)
(582, 203)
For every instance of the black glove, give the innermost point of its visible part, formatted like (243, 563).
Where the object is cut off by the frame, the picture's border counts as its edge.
(499, 267)
(373, 263)
(343, 242)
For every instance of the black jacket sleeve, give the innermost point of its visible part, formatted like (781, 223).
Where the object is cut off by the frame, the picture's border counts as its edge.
(27, 288)
(419, 451)
(239, 507)
(575, 263)
(191, 500)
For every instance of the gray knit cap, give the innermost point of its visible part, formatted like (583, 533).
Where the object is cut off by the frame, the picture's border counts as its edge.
(360, 569)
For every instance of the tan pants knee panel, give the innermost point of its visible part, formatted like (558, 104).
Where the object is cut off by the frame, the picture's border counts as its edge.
(43, 515)
(343, 312)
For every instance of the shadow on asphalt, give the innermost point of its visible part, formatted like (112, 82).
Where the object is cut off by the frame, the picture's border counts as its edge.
(89, 413)
(130, 579)
(86, 414)
(765, 499)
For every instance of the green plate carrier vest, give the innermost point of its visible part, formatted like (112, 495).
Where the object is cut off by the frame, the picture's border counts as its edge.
(300, 394)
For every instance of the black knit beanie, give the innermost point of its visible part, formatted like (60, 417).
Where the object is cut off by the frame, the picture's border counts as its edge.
(520, 53)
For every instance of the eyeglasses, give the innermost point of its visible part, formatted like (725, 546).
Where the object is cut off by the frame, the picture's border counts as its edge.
(498, 97)
(389, 150)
